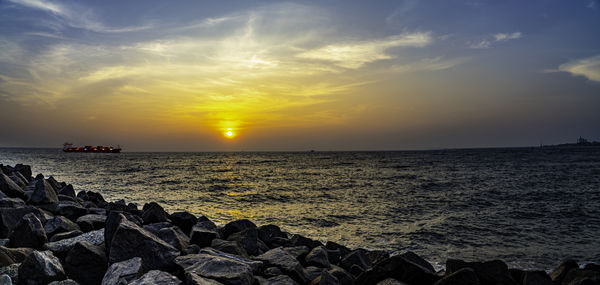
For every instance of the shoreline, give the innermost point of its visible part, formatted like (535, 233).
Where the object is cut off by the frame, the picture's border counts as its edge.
(88, 239)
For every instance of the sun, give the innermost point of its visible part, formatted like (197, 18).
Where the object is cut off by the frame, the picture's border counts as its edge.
(229, 133)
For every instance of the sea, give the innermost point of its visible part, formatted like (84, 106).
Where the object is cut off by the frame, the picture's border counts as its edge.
(531, 207)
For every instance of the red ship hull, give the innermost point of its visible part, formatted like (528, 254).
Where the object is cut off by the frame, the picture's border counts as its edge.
(68, 147)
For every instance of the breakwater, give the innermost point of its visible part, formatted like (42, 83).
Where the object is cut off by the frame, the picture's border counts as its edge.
(51, 233)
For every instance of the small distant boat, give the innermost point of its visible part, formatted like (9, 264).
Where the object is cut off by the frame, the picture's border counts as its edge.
(68, 147)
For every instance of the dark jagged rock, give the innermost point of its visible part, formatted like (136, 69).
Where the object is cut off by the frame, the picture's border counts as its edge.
(206, 223)
(29, 232)
(581, 276)
(535, 278)
(286, 262)
(156, 277)
(40, 267)
(202, 237)
(65, 235)
(11, 271)
(317, 257)
(67, 198)
(69, 209)
(298, 252)
(266, 233)
(175, 237)
(399, 268)
(356, 258)
(25, 170)
(337, 247)
(281, 280)
(86, 263)
(10, 217)
(184, 220)
(375, 256)
(313, 272)
(7, 202)
(414, 258)
(232, 247)
(592, 266)
(154, 213)
(113, 220)
(67, 191)
(561, 271)
(464, 276)
(256, 266)
(64, 282)
(18, 179)
(10, 188)
(156, 227)
(123, 272)
(59, 224)
(64, 245)
(129, 240)
(248, 239)
(96, 198)
(43, 193)
(55, 184)
(10, 256)
(272, 271)
(91, 222)
(118, 205)
(490, 272)
(325, 279)
(299, 240)
(391, 281)
(195, 279)
(236, 226)
(220, 268)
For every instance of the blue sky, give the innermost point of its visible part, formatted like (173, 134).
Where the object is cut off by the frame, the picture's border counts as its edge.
(155, 75)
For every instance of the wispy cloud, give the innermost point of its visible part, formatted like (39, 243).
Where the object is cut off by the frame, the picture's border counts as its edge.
(489, 41)
(587, 67)
(592, 5)
(500, 37)
(480, 45)
(355, 54)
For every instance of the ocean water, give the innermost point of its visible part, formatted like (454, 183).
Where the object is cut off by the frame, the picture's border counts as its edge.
(530, 207)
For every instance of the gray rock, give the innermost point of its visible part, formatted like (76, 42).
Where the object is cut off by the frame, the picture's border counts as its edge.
(236, 226)
(86, 263)
(67, 191)
(391, 281)
(184, 220)
(248, 239)
(43, 193)
(399, 268)
(10, 256)
(414, 258)
(19, 179)
(67, 198)
(281, 280)
(298, 252)
(464, 276)
(313, 272)
(581, 276)
(358, 258)
(10, 188)
(154, 213)
(65, 235)
(286, 262)
(299, 240)
(91, 222)
(175, 237)
(64, 282)
(55, 184)
(317, 257)
(94, 237)
(129, 240)
(25, 170)
(254, 264)
(490, 272)
(59, 224)
(41, 267)
(561, 271)
(5, 280)
(202, 237)
(154, 228)
(71, 210)
(123, 272)
(535, 278)
(325, 279)
(10, 217)
(29, 232)
(11, 270)
(194, 279)
(7, 202)
(341, 274)
(273, 271)
(156, 277)
(222, 269)
(232, 247)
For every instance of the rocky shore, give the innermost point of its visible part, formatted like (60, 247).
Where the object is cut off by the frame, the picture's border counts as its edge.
(49, 234)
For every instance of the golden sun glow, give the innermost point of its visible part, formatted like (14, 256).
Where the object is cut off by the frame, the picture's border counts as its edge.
(229, 133)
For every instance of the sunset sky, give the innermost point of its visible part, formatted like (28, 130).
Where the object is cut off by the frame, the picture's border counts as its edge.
(324, 75)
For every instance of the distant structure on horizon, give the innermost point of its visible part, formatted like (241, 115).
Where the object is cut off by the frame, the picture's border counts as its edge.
(581, 141)
(68, 147)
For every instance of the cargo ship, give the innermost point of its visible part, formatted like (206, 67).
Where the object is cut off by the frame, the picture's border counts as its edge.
(68, 147)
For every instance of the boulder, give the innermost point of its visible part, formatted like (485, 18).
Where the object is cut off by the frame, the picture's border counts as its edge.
(317, 257)
(357, 258)
(86, 263)
(298, 252)
(65, 235)
(118, 205)
(154, 213)
(10, 256)
(156, 227)
(490, 272)
(64, 282)
(254, 264)
(29, 232)
(113, 220)
(581, 276)
(91, 222)
(184, 220)
(175, 237)
(266, 233)
(286, 262)
(123, 272)
(5, 280)
(40, 267)
(67, 198)
(592, 266)
(95, 197)
(202, 237)
(561, 271)
(67, 191)
(325, 279)
(464, 276)
(281, 280)
(10, 188)
(236, 226)
(299, 240)
(129, 240)
(399, 268)
(55, 184)
(272, 271)
(43, 193)
(59, 224)
(232, 247)
(248, 239)
(6, 202)
(535, 278)
(195, 279)
(11, 270)
(206, 223)
(223, 269)
(156, 277)
(64, 245)
(414, 258)
(391, 281)
(18, 179)
(25, 170)
(71, 210)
